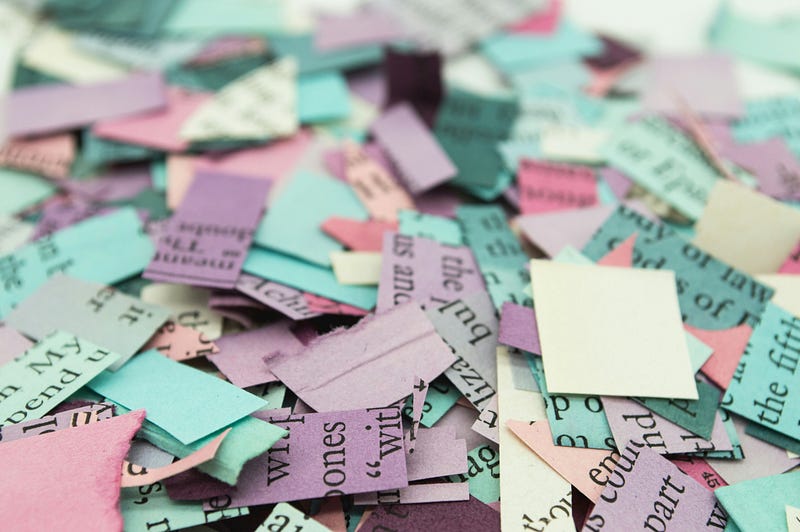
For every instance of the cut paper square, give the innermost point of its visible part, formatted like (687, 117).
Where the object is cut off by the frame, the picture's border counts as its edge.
(611, 331)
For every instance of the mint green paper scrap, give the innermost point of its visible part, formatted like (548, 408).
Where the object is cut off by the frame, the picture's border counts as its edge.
(497, 251)
(766, 385)
(292, 222)
(322, 97)
(695, 416)
(711, 294)
(575, 420)
(187, 403)
(309, 277)
(664, 161)
(439, 399)
(512, 52)
(760, 504)
(102, 249)
(149, 508)
(20, 190)
(768, 42)
(443, 230)
(483, 473)
(47, 374)
(249, 437)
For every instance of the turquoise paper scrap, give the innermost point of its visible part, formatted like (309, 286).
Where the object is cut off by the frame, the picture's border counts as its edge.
(443, 230)
(575, 420)
(292, 223)
(760, 504)
(512, 52)
(497, 250)
(47, 374)
(103, 249)
(665, 162)
(766, 386)
(186, 402)
(20, 190)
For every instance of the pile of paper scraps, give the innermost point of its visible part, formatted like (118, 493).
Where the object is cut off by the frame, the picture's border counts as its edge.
(407, 265)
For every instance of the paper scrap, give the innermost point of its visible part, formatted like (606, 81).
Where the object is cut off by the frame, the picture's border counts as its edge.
(630, 420)
(103, 249)
(79, 489)
(40, 110)
(356, 267)
(150, 377)
(337, 452)
(296, 232)
(48, 373)
(763, 386)
(407, 275)
(470, 328)
(136, 475)
(241, 356)
(330, 374)
(650, 492)
(467, 516)
(581, 363)
(259, 105)
(192, 250)
(419, 158)
(189, 306)
(98, 313)
(746, 229)
(284, 514)
(546, 187)
(302, 275)
(374, 186)
(417, 493)
(583, 468)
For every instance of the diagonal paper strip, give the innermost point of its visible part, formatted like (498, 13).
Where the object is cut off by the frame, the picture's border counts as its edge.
(131, 477)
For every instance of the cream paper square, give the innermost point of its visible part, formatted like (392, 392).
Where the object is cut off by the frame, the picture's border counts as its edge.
(611, 331)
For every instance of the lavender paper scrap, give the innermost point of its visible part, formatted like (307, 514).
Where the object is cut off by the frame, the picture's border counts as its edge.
(287, 300)
(423, 270)
(325, 454)
(241, 356)
(647, 492)
(57, 107)
(518, 328)
(348, 368)
(206, 241)
(419, 158)
(631, 421)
